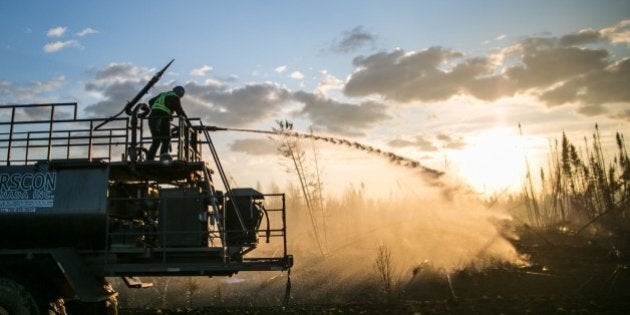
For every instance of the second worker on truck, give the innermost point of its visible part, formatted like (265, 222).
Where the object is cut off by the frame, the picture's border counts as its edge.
(163, 106)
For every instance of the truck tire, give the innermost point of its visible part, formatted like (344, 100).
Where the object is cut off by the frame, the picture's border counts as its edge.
(107, 307)
(15, 299)
(56, 307)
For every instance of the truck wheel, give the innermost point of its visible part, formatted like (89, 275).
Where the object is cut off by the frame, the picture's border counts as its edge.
(15, 299)
(111, 306)
(107, 307)
(56, 307)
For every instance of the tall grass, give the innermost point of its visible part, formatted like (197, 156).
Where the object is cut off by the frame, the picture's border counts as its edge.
(581, 186)
(384, 267)
(309, 178)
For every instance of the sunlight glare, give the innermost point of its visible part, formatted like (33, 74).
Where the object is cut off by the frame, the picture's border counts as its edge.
(493, 161)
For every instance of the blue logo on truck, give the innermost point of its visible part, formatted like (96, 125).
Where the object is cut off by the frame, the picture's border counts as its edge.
(25, 192)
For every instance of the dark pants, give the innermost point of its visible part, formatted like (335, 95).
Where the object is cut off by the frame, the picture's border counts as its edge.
(160, 127)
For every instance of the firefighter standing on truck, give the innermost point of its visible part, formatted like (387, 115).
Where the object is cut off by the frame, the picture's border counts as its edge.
(162, 107)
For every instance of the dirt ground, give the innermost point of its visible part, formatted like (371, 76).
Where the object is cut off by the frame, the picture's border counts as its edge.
(587, 273)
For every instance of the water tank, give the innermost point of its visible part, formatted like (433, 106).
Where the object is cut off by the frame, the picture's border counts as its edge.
(53, 205)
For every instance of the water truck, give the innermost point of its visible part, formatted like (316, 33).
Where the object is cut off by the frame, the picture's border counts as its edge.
(80, 203)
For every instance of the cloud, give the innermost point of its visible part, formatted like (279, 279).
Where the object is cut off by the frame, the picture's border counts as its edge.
(577, 68)
(419, 142)
(59, 45)
(353, 40)
(280, 69)
(591, 110)
(296, 75)
(56, 31)
(619, 33)
(30, 91)
(219, 104)
(423, 143)
(340, 117)
(119, 72)
(253, 103)
(450, 142)
(623, 115)
(87, 31)
(406, 77)
(582, 37)
(200, 72)
(117, 83)
(544, 66)
(115, 97)
(225, 106)
(328, 82)
(600, 86)
(255, 146)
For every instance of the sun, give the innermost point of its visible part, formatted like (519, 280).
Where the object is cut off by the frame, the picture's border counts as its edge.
(492, 161)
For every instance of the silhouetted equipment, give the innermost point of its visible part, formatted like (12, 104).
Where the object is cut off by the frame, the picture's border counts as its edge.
(130, 104)
(80, 203)
(251, 213)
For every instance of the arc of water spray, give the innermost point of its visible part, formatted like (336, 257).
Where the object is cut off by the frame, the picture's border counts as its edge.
(392, 157)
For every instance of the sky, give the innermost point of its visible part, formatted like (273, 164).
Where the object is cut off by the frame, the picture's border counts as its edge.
(445, 83)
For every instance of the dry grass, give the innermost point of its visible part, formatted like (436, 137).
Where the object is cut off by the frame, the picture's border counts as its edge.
(581, 186)
(308, 175)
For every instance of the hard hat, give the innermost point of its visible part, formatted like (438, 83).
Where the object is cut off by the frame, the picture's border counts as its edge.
(179, 90)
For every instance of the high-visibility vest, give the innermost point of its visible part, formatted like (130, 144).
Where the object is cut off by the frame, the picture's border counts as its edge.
(160, 102)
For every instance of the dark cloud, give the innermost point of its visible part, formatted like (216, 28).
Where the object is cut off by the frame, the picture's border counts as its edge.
(35, 113)
(419, 142)
(600, 86)
(400, 143)
(423, 143)
(44, 112)
(255, 146)
(574, 68)
(35, 91)
(117, 83)
(545, 66)
(490, 88)
(344, 118)
(213, 101)
(406, 77)
(624, 115)
(221, 105)
(591, 110)
(116, 95)
(120, 72)
(580, 38)
(450, 142)
(353, 40)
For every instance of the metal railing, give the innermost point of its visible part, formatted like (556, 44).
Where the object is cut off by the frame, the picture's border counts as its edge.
(157, 238)
(42, 132)
(36, 132)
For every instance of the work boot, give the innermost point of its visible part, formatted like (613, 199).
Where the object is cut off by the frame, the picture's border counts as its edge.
(166, 159)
